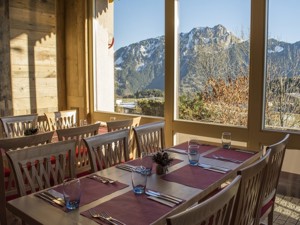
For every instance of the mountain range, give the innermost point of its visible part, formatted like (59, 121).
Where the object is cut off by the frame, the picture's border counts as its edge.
(204, 53)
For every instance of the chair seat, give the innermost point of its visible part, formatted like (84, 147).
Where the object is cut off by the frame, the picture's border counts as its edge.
(266, 206)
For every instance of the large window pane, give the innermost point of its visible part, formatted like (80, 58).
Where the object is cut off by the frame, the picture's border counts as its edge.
(137, 47)
(214, 61)
(282, 98)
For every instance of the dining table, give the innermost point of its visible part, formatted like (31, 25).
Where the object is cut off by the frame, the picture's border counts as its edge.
(190, 184)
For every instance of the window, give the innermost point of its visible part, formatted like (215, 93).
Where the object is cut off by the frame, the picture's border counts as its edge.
(214, 61)
(282, 80)
(129, 56)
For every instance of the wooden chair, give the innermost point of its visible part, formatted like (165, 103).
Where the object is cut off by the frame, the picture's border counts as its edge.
(249, 197)
(14, 126)
(39, 167)
(7, 181)
(216, 210)
(108, 149)
(150, 137)
(277, 152)
(42, 123)
(126, 124)
(62, 119)
(78, 133)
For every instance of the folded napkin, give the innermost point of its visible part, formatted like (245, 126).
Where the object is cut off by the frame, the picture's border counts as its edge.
(236, 156)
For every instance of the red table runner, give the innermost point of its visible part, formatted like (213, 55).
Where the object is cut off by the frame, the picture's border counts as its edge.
(184, 146)
(92, 190)
(193, 176)
(131, 209)
(138, 162)
(230, 154)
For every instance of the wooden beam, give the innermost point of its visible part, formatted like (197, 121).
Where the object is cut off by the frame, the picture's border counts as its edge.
(5, 71)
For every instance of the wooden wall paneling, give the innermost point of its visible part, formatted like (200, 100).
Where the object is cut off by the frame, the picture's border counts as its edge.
(33, 56)
(61, 51)
(5, 71)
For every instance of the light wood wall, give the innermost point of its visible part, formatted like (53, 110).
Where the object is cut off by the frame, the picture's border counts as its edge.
(29, 70)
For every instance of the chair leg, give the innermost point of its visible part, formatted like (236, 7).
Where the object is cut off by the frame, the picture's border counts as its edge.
(270, 216)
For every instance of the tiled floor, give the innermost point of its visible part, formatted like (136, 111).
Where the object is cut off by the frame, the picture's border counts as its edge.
(287, 211)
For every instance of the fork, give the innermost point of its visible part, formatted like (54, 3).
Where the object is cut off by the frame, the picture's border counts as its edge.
(110, 219)
(227, 159)
(94, 214)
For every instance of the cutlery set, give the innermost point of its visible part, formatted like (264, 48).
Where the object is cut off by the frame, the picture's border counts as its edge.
(101, 179)
(163, 198)
(227, 159)
(46, 196)
(126, 167)
(217, 169)
(105, 217)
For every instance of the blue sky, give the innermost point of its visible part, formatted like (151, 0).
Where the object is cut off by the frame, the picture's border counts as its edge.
(136, 20)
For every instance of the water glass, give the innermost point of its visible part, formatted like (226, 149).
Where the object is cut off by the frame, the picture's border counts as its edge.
(147, 161)
(193, 152)
(72, 193)
(139, 180)
(226, 140)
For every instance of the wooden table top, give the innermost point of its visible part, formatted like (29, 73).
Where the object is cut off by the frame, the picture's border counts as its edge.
(36, 211)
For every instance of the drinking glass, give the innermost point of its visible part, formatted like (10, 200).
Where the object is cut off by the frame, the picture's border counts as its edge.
(193, 152)
(147, 162)
(72, 193)
(139, 180)
(226, 140)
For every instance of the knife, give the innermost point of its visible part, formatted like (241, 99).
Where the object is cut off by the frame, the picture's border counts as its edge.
(162, 197)
(126, 167)
(164, 202)
(178, 200)
(48, 199)
(214, 168)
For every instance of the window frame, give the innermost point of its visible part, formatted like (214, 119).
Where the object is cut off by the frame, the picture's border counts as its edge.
(253, 135)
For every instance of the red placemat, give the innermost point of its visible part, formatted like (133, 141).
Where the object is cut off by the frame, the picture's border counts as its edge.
(230, 154)
(92, 190)
(138, 162)
(184, 146)
(131, 209)
(193, 176)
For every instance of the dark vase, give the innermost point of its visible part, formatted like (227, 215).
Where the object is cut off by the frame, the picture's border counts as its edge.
(161, 169)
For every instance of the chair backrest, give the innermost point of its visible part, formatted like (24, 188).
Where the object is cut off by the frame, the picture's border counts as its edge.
(42, 123)
(39, 167)
(62, 119)
(7, 183)
(150, 137)
(78, 133)
(15, 126)
(106, 150)
(118, 125)
(277, 152)
(216, 210)
(249, 196)
(126, 124)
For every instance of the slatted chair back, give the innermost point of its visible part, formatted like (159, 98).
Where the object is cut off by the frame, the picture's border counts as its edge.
(277, 152)
(39, 167)
(150, 137)
(249, 198)
(42, 123)
(118, 125)
(15, 126)
(108, 149)
(216, 210)
(126, 124)
(7, 181)
(81, 155)
(62, 119)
